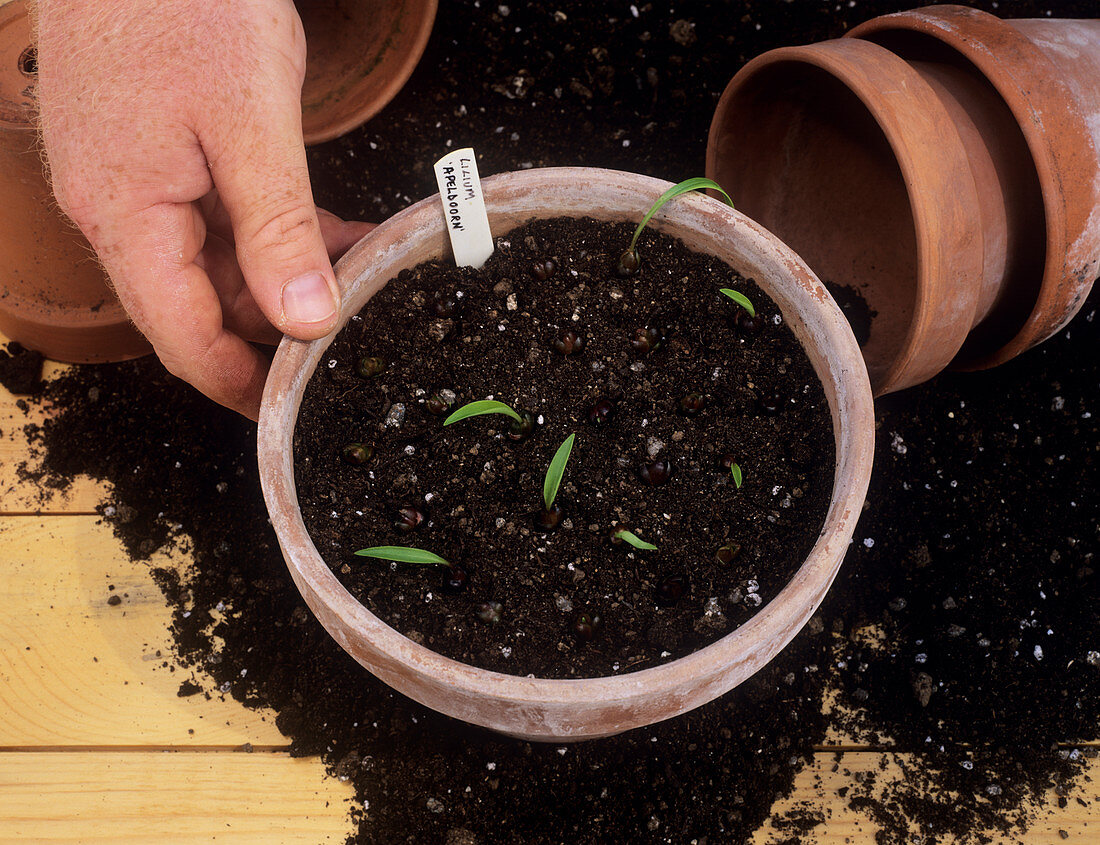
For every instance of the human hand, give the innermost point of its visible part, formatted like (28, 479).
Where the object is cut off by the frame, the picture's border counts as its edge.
(173, 133)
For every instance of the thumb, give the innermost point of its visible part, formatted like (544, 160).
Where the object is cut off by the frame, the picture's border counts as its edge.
(264, 185)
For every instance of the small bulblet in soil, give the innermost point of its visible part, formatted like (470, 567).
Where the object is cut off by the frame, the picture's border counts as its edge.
(692, 404)
(370, 366)
(728, 553)
(629, 264)
(408, 519)
(587, 626)
(670, 590)
(543, 270)
(548, 519)
(646, 339)
(601, 412)
(656, 473)
(770, 403)
(521, 429)
(747, 324)
(438, 404)
(455, 579)
(568, 342)
(490, 612)
(443, 304)
(616, 534)
(356, 454)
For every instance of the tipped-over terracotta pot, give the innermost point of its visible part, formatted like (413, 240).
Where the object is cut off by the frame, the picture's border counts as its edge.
(563, 710)
(1026, 96)
(825, 145)
(950, 179)
(359, 54)
(54, 298)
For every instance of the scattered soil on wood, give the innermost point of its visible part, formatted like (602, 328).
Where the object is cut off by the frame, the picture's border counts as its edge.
(184, 472)
(978, 542)
(971, 605)
(701, 388)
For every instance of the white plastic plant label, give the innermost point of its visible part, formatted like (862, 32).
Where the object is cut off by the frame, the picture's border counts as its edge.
(464, 208)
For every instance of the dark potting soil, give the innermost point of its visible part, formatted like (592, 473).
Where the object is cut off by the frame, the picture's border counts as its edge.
(854, 308)
(20, 369)
(1020, 444)
(973, 621)
(707, 388)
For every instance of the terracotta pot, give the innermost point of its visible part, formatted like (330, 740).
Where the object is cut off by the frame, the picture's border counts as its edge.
(54, 297)
(824, 146)
(359, 54)
(1031, 89)
(562, 710)
(949, 181)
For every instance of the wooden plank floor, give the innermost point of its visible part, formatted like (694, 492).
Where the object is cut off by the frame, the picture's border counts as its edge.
(95, 745)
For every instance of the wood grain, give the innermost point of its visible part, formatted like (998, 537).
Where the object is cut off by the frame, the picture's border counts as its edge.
(178, 798)
(77, 671)
(821, 792)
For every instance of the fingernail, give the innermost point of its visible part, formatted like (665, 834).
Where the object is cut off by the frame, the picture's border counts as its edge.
(308, 299)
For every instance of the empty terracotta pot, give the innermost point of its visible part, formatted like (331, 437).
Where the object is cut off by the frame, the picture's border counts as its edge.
(563, 710)
(359, 54)
(54, 298)
(826, 145)
(949, 180)
(1027, 92)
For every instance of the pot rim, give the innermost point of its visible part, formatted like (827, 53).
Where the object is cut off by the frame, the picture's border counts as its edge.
(326, 121)
(934, 334)
(546, 708)
(1032, 88)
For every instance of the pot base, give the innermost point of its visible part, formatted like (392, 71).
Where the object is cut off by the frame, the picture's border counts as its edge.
(74, 336)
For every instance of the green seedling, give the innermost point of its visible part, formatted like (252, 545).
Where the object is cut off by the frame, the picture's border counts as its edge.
(735, 471)
(627, 536)
(482, 406)
(740, 299)
(453, 581)
(523, 423)
(405, 554)
(556, 470)
(629, 262)
(548, 518)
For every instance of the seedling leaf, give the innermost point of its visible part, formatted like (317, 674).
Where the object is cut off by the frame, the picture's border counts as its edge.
(697, 183)
(404, 554)
(740, 299)
(634, 540)
(735, 471)
(555, 471)
(482, 406)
